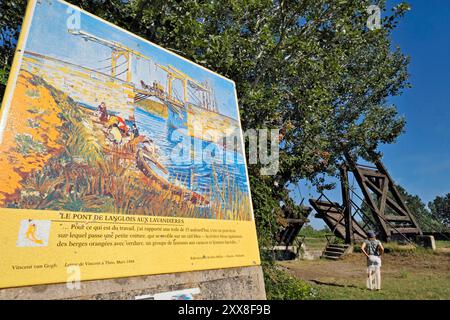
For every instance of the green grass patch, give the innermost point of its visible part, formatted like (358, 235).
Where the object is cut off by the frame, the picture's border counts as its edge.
(443, 244)
(405, 285)
(420, 274)
(282, 286)
(309, 232)
(26, 145)
(315, 243)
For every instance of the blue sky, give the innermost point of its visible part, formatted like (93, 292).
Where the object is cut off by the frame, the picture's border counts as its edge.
(49, 36)
(420, 160)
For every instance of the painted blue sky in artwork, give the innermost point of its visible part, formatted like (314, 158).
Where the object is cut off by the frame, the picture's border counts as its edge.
(49, 36)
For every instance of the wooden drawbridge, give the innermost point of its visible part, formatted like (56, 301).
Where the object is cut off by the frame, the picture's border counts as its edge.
(387, 212)
(333, 215)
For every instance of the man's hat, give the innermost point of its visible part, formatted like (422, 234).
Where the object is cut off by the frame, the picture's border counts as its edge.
(370, 234)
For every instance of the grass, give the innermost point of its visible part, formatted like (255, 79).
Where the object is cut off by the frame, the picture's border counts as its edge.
(26, 145)
(315, 243)
(415, 275)
(280, 285)
(443, 244)
(402, 286)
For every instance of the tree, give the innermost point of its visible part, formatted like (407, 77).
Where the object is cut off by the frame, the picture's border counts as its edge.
(10, 19)
(440, 209)
(309, 67)
(309, 231)
(427, 222)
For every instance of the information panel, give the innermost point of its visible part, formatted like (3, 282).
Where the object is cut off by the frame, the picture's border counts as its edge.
(118, 157)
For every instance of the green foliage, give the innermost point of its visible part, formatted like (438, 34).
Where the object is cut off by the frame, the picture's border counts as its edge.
(443, 244)
(11, 14)
(309, 232)
(440, 209)
(4, 72)
(281, 286)
(268, 212)
(423, 216)
(26, 145)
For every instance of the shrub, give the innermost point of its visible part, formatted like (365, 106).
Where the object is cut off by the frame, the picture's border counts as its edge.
(26, 145)
(282, 286)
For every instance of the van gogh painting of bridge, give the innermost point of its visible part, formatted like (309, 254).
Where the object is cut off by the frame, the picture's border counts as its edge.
(100, 120)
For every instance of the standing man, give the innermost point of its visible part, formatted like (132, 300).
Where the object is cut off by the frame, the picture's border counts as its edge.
(373, 249)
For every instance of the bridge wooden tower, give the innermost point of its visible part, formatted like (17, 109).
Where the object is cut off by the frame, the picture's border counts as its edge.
(388, 213)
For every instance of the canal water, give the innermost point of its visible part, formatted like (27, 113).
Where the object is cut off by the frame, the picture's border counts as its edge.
(195, 169)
